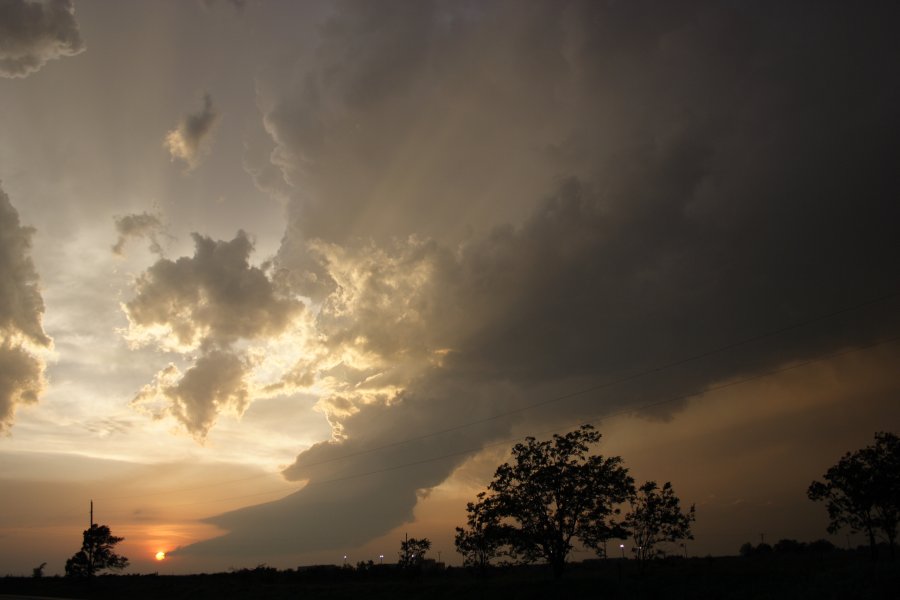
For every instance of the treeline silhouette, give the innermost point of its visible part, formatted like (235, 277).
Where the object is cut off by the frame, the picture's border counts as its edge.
(553, 493)
(836, 575)
(820, 547)
(787, 547)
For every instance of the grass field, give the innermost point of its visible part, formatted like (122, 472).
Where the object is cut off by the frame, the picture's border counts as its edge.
(836, 577)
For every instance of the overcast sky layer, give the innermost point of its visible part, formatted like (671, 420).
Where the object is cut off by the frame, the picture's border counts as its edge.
(283, 281)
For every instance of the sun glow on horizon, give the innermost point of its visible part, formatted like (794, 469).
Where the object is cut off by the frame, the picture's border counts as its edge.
(160, 555)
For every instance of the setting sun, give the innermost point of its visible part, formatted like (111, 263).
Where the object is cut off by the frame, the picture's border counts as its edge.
(160, 555)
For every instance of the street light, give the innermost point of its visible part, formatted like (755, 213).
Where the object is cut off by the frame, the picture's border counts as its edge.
(622, 548)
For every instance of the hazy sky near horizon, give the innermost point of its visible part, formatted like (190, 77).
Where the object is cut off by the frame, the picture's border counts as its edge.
(281, 281)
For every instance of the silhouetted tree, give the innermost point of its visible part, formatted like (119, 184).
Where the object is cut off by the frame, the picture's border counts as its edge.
(551, 494)
(820, 546)
(789, 546)
(484, 538)
(96, 553)
(862, 491)
(748, 550)
(763, 549)
(412, 552)
(656, 517)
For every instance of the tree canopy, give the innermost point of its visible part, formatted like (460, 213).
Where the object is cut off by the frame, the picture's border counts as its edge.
(484, 538)
(862, 491)
(96, 553)
(412, 552)
(552, 493)
(656, 517)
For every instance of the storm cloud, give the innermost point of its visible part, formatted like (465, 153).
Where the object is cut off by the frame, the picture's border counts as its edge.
(189, 142)
(32, 33)
(21, 312)
(686, 173)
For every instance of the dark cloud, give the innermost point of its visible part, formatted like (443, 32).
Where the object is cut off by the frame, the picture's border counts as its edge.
(21, 312)
(189, 141)
(208, 303)
(143, 225)
(351, 501)
(394, 124)
(31, 33)
(691, 175)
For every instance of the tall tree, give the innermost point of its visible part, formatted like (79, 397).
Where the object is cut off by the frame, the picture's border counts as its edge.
(862, 491)
(553, 493)
(96, 553)
(656, 517)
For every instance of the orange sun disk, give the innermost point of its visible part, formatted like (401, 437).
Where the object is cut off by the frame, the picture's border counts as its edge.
(160, 555)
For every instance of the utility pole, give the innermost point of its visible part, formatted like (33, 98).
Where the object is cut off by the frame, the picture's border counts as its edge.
(91, 524)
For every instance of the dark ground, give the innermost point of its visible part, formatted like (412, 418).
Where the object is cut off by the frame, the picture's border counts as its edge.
(821, 577)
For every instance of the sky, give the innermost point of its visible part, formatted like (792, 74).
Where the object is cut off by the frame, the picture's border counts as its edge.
(282, 282)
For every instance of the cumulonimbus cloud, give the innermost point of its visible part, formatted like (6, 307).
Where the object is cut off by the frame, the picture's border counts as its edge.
(190, 141)
(655, 186)
(21, 312)
(32, 33)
